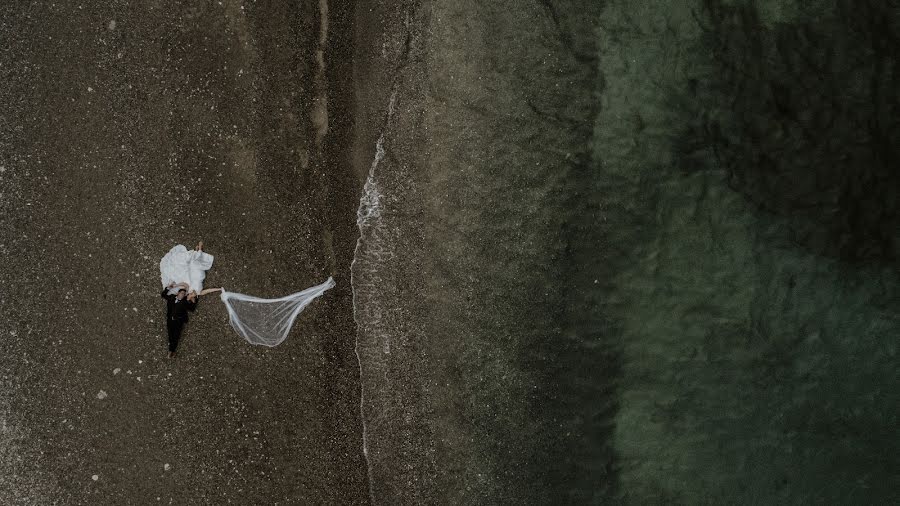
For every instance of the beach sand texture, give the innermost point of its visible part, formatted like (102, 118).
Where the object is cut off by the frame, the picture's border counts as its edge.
(617, 252)
(130, 127)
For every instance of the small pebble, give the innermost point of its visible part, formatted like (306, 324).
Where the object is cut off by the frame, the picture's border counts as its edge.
(166, 467)
(116, 371)
(95, 477)
(101, 395)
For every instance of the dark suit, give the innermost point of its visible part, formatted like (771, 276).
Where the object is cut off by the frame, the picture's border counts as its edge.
(176, 316)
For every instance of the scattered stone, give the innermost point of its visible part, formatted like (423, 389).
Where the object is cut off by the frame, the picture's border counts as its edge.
(116, 371)
(95, 477)
(102, 395)
(112, 24)
(166, 467)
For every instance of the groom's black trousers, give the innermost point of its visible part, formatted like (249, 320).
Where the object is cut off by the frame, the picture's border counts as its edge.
(175, 329)
(176, 316)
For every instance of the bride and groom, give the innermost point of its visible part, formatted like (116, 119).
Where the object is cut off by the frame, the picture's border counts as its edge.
(260, 321)
(182, 273)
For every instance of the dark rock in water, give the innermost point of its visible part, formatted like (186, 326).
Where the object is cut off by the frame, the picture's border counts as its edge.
(814, 122)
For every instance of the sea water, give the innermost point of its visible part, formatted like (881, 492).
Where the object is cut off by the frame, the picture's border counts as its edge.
(629, 253)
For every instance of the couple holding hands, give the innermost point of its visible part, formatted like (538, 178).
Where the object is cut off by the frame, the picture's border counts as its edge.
(182, 273)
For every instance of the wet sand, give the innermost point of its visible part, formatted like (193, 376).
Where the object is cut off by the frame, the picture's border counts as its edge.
(473, 275)
(127, 130)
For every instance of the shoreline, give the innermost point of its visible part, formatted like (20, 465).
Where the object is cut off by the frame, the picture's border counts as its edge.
(459, 359)
(386, 268)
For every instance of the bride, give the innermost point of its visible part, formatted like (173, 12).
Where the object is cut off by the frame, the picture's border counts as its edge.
(181, 268)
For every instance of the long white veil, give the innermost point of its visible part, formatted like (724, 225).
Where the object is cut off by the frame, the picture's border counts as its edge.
(268, 321)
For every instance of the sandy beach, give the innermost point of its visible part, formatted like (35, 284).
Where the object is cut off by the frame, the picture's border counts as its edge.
(128, 129)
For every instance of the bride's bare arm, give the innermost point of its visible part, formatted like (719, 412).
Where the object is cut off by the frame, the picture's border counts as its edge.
(210, 290)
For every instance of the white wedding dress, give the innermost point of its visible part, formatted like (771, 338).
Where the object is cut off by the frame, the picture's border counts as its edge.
(181, 265)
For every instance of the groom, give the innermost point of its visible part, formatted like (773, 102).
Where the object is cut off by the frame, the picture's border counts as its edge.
(177, 307)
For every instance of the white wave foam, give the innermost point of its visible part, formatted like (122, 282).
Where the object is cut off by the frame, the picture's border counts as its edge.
(370, 202)
(374, 246)
(369, 211)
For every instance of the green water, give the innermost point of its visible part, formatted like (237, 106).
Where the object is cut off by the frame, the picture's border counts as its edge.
(633, 253)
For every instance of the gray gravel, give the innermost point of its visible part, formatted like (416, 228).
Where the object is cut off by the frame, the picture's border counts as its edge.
(127, 128)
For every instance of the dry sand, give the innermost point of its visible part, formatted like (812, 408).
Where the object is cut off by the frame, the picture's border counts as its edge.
(128, 129)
